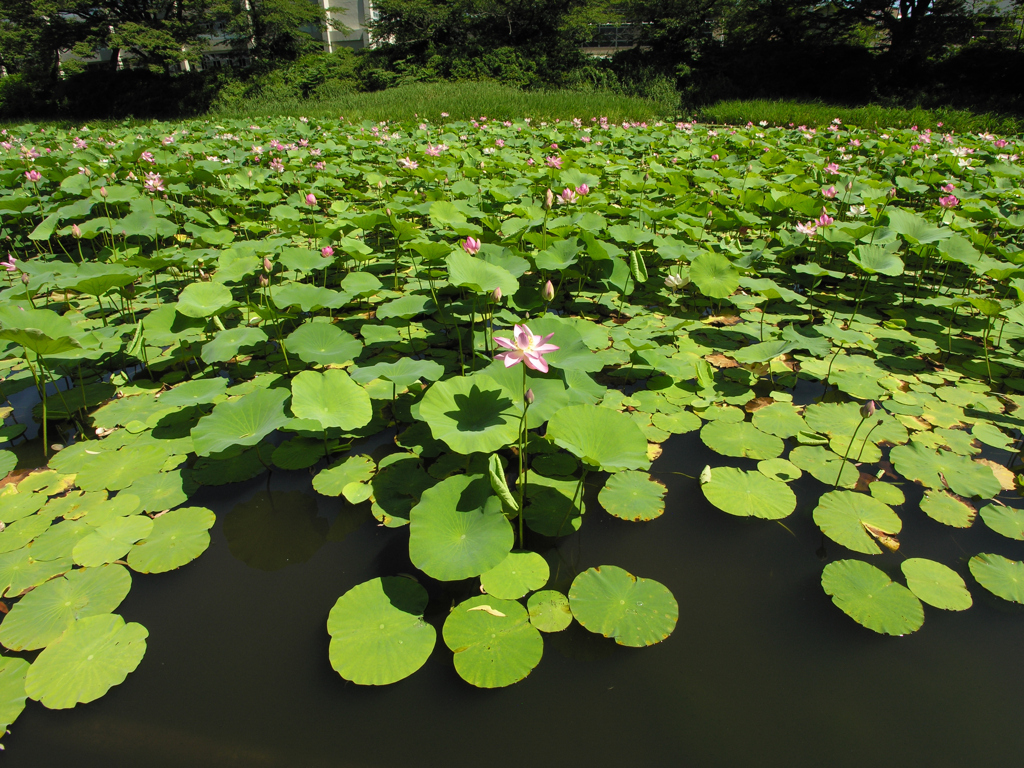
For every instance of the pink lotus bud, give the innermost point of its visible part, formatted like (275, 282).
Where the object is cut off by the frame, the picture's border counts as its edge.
(497, 294)
(75, 231)
(829, 193)
(103, 192)
(268, 266)
(582, 189)
(868, 409)
(549, 199)
(892, 192)
(849, 186)
(549, 291)
(327, 252)
(529, 396)
(24, 278)
(471, 246)
(311, 199)
(263, 281)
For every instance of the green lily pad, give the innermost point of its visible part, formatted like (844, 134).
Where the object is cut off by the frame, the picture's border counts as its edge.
(21, 532)
(12, 690)
(887, 493)
(227, 344)
(59, 540)
(516, 575)
(553, 507)
(240, 466)
(162, 491)
(298, 453)
(116, 470)
(741, 439)
(43, 614)
(112, 540)
(963, 476)
(936, 585)
(1004, 520)
(748, 494)
(999, 575)
(714, 275)
(332, 399)
(612, 602)
(633, 496)
(779, 469)
(458, 529)
(200, 300)
(845, 517)
(549, 610)
(779, 419)
(274, 529)
(494, 643)
(19, 571)
(348, 477)
(91, 657)
(378, 635)
(678, 423)
(177, 538)
(991, 435)
(872, 599)
(600, 437)
(8, 461)
(824, 465)
(402, 373)
(323, 344)
(948, 510)
(555, 464)
(244, 421)
(471, 414)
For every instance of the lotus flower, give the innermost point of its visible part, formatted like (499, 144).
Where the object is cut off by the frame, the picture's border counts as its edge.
(327, 252)
(553, 162)
(832, 169)
(154, 183)
(525, 347)
(949, 201)
(311, 199)
(408, 163)
(809, 229)
(471, 245)
(548, 294)
(9, 265)
(824, 220)
(567, 196)
(33, 175)
(829, 193)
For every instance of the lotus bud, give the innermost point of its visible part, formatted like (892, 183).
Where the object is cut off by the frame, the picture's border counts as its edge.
(868, 409)
(327, 252)
(310, 199)
(892, 192)
(549, 199)
(549, 291)
(529, 396)
(268, 266)
(24, 278)
(75, 231)
(263, 281)
(103, 192)
(849, 186)
(674, 282)
(471, 245)
(497, 294)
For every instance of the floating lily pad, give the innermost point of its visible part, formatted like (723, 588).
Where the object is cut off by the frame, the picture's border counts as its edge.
(178, 537)
(748, 494)
(274, 529)
(12, 690)
(19, 571)
(935, 584)
(228, 344)
(991, 435)
(349, 477)
(92, 656)
(887, 493)
(612, 602)
(244, 421)
(740, 439)
(516, 575)
(633, 496)
(323, 344)
(493, 641)
(999, 575)
(402, 373)
(824, 465)
(678, 423)
(846, 517)
(332, 399)
(872, 599)
(112, 540)
(779, 419)
(779, 469)
(378, 635)
(59, 540)
(600, 437)
(200, 300)
(948, 510)
(962, 475)
(1004, 520)
(195, 392)
(471, 414)
(549, 610)
(164, 490)
(43, 614)
(458, 529)
(20, 533)
(115, 470)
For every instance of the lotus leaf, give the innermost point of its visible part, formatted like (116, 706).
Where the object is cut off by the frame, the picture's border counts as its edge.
(855, 520)
(470, 414)
(549, 610)
(515, 576)
(19, 571)
(714, 275)
(162, 491)
(633, 611)
(779, 469)
(1004, 520)
(600, 437)
(227, 344)
(177, 538)
(195, 392)
(947, 509)
(200, 300)
(869, 597)
(323, 344)
(887, 493)
(244, 421)
(824, 465)
(403, 373)
(779, 419)
(633, 495)
(332, 399)
(298, 453)
(936, 585)
(999, 575)
(748, 494)
(962, 475)
(494, 643)
(741, 439)
(554, 507)
(348, 477)
(12, 689)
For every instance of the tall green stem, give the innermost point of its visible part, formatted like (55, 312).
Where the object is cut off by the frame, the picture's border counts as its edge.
(846, 455)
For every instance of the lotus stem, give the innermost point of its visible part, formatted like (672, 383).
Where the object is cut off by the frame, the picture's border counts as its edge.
(846, 455)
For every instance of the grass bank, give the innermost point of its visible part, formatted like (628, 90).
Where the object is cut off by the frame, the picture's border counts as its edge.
(871, 116)
(460, 100)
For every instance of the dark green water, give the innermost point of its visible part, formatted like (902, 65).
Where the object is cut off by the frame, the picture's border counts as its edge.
(762, 669)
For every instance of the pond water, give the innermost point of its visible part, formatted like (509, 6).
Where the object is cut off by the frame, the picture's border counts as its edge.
(762, 669)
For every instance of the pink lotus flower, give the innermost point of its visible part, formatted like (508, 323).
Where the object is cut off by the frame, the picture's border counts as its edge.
(948, 188)
(1000, 143)
(320, 166)
(408, 163)
(809, 229)
(525, 347)
(9, 265)
(829, 193)
(327, 252)
(310, 199)
(582, 190)
(148, 157)
(529, 161)
(824, 220)
(471, 246)
(949, 202)
(548, 294)
(33, 175)
(553, 162)
(832, 169)
(567, 196)
(276, 165)
(499, 142)
(76, 232)
(154, 183)
(714, 157)
(433, 151)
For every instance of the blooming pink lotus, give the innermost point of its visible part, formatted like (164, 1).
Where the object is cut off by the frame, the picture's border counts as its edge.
(327, 252)
(949, 201)
(525, 347)
(829, 193)
(948, 188)
(471, 245)
(809, 229)
(154, 183)
(832, 169)
(553, 162)
(433, 151)
(824, 220)
(9, 265)
(567, 196)
(33, 175)
(408, 163)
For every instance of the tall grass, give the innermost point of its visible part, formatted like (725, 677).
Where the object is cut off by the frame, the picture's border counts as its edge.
(461, 100)
(872, 116)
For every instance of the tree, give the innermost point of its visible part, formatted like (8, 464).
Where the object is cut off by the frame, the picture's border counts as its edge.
(915, 29)
(275, 29)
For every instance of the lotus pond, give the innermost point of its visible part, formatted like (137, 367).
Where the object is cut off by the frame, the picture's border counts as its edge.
(419, 379)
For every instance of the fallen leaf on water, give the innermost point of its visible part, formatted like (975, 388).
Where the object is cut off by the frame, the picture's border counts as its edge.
(1003, 475)
(488, 609)
(883, 538)
(721, 361)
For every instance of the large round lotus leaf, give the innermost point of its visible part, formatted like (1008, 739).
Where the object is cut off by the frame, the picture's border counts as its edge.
(323, 344)
(16, 506)
(298, 453)
(493, 640)
(824, 465)
(1000, 576)
(991, 435)
(748, 494)
(887, 493)
(41, 330)
(58, 541)
(841, 419)
(869, 597)
(554, 507)
(860, 452)
(274, 529)
(779, 469)
(45, 612)
(471, 414)
(846, 516)
(378, 635)
(8, 461)
(714, 275)
(244, 421)
(402, 373)
(741, 439)
(458, 529)
(195, 392)
(935, 584)
(1005, 520)
(361, 284)
(306, 297)
(549, 610)
(12, 689)
(164, 490)
(516, 575)
(332, 399)
(115, 470)
(612, 602)
(227, 344)
(874, 259)
(478, 275)
(600, 437)
(964, 476)
(349, 477)
(633, 496)
(178, 537)
(204, 299)
(19, 571)
(112, 540)
(678, 423)
(947, 509)
(20, 533)
(779, 419)
(407, 307)
(92, 656)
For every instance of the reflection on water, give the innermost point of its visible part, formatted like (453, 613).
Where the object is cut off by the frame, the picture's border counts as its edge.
(273, 529)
